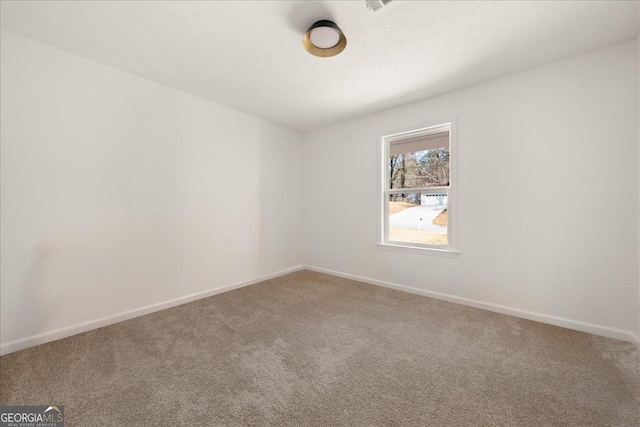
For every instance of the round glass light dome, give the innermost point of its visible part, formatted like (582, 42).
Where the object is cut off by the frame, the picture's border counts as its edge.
(324, 37)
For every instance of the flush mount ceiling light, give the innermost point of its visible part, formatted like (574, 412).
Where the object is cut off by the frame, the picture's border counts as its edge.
(324, 39)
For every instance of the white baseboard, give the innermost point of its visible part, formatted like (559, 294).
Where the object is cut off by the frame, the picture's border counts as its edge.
(577, 325)
(635, 339)
(79, 328)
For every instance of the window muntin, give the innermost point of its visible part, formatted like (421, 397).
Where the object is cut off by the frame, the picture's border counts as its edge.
(417, 188)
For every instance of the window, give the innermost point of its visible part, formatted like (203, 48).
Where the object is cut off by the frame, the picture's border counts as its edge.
(418, 200)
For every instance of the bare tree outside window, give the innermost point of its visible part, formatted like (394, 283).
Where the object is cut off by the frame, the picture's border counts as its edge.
(428, 168)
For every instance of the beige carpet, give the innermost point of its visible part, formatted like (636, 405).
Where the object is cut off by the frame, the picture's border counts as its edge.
(311, 349)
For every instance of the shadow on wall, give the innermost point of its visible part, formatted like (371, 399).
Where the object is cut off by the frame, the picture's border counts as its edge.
(302, 15)
(79, 276)
(279, 204)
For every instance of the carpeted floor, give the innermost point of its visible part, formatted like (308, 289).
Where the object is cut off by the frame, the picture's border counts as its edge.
(311, 349)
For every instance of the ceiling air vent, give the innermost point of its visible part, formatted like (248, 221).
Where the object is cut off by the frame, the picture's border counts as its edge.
(376, 5)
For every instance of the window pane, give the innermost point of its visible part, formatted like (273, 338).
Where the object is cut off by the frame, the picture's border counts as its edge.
(419, 162)
(418, 218)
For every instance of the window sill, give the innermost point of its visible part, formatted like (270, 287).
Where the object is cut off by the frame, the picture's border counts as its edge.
(417, 250)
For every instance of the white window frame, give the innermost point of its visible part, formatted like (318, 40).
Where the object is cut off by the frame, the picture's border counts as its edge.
(451, 190)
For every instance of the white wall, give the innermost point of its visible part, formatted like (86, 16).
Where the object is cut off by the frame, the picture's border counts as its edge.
(118, 193)
(541, 146)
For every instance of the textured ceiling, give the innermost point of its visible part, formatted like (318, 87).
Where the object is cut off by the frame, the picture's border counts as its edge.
(248, 55)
